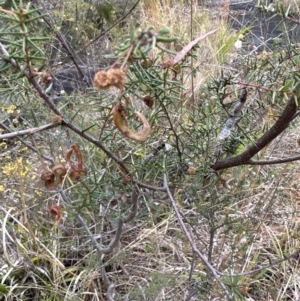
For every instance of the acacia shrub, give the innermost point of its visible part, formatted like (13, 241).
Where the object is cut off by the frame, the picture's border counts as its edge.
(107, 202)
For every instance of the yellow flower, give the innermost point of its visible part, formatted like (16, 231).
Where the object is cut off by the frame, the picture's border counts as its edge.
(11, 109)
(3, 145)
(39, 193)
(9, 169)
(15, 168)
(2, 188)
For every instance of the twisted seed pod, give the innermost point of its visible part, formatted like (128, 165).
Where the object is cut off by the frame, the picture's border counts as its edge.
(140, 136)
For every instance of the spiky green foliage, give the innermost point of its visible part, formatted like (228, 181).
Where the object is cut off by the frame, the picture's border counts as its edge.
(151, 221)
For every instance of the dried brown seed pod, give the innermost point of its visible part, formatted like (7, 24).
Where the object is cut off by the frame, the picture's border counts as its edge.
(191, 170)
(47, 175)
(126, 179)
(110, 78)
(140, 136)
(148, 100)
(46, 78)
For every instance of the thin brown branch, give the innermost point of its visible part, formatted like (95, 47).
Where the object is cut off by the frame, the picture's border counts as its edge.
(288, 18)
(280, 125)
(110, 155)
(50, 159)
(63, 42)
(270, 162)
(97, 143)
(173, 130)
(29, 131)
(42, 94)
(260, 87)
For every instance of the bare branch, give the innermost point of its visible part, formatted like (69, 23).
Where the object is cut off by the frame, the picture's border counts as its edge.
(277, 161)
(114, 242)
(258, 86)
(280, 125)
(50, 159)
(110, 286)
(29, 131)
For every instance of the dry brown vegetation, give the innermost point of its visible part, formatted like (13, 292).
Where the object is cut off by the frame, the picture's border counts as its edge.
(293, 5)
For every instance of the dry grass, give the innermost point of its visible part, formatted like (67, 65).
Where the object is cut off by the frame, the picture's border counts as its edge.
(176, 15)
(265, 207)
(294, 5)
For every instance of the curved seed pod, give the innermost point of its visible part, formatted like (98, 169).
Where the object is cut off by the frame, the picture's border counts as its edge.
(55, 210)
(50, 179)
(75, 174)
(78, 154)
(47, 175)
(140, 136)
(51, 185)
(59, 170)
